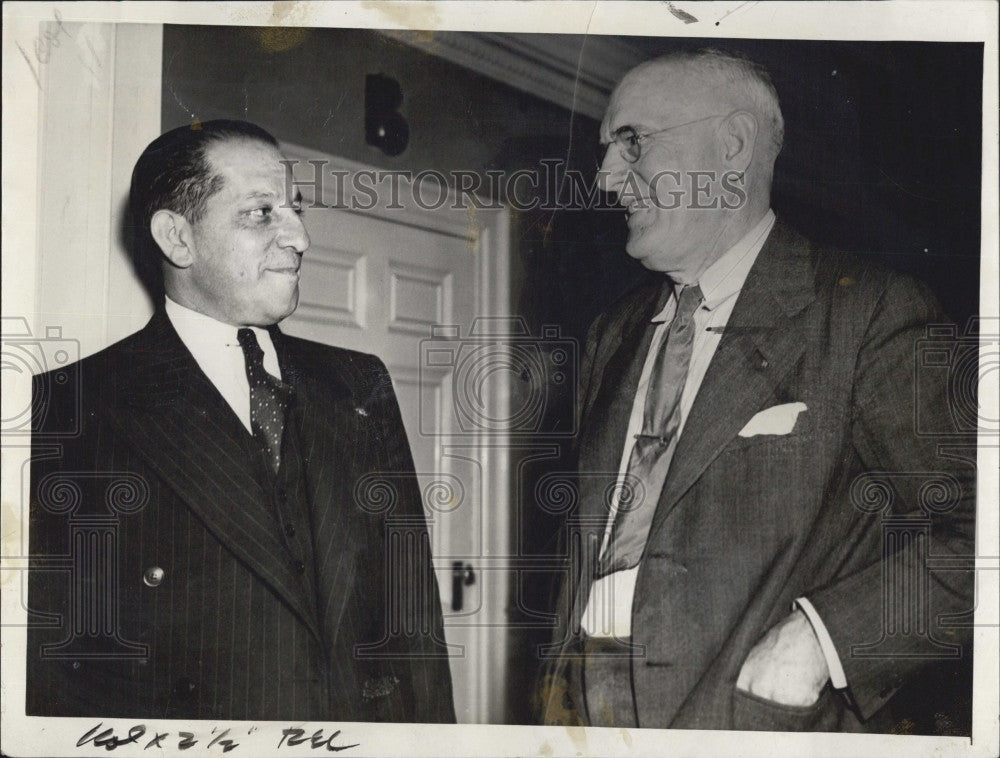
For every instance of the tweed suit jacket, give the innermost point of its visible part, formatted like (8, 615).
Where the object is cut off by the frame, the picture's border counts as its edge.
(198, 603)
(744, 525)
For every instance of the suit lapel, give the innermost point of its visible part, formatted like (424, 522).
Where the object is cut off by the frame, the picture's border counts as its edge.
(762, 341)
(168, 409)
(617, 370)
(334, 458)
(618, 331)
(616, 374)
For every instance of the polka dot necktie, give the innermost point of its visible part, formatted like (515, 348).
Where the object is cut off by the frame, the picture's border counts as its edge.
(654, 445)
(269, 399)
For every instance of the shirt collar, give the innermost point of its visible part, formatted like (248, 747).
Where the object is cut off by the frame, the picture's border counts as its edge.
(202, 334)
(724, 278)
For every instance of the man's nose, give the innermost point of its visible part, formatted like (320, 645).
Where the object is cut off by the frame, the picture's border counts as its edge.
(613, 169)
(293, 233)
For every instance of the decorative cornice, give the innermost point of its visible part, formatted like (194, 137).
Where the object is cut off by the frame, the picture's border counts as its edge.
(575, 72)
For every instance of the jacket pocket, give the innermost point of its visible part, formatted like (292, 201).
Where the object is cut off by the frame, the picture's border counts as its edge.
(754, 713)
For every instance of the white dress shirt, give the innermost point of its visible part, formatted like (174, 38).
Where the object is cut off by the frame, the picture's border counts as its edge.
(609, 607)
(218, 353)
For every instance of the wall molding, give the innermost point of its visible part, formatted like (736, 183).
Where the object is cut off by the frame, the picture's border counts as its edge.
(576, 72)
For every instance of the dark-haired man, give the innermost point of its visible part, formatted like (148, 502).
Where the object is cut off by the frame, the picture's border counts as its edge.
(223, 560)
(753, 484)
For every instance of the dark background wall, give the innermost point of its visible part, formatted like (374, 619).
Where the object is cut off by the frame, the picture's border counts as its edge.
(308, 87)
(882, 157)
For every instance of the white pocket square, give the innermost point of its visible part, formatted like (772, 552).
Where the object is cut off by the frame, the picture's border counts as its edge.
(778, 419)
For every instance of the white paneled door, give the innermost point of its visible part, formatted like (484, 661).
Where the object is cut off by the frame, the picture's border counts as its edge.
(406, 277)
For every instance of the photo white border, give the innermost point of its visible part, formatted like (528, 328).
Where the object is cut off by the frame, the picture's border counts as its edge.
(918, 20)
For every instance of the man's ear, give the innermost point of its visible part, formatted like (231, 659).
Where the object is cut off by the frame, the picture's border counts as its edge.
(739, 138)
(172, 233)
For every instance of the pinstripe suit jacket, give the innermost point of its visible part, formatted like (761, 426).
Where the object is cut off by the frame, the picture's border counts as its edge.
(162, 584)
(744, 525)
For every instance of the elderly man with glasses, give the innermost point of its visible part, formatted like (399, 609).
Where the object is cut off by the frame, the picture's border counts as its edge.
(733, 569)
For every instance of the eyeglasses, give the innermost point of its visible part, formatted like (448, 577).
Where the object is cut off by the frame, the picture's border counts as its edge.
(629, 141)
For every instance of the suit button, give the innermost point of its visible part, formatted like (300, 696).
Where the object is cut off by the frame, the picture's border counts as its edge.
(183, 688)
(289, 529)
(300, 567)
(153, 576)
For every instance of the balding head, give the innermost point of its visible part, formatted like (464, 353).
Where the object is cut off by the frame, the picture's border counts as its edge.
(693, 137)
(688, 83)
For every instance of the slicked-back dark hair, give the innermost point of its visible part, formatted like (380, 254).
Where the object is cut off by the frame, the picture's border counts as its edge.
(173, 173)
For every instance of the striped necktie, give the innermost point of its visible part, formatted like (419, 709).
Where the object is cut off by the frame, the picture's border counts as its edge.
(654, 446)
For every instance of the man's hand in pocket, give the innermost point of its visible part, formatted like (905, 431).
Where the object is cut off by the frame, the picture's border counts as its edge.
(787, 666)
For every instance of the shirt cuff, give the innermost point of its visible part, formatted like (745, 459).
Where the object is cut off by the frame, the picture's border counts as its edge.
(837, 676)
